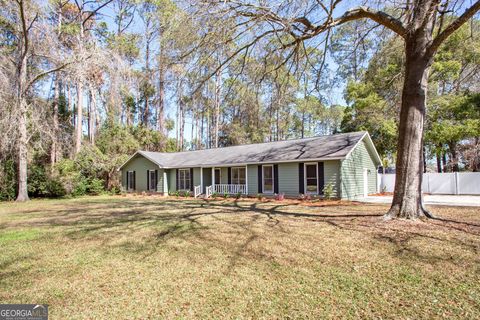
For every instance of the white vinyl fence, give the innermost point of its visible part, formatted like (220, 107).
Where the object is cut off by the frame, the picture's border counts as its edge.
(438, 183)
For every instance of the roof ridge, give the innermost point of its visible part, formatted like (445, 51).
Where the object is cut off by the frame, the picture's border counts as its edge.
(257, 143)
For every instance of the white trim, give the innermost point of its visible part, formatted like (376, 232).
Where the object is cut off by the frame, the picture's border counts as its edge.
(201, 180)
(189, 180)
(234, 165)
(246, 179)
(239, 167)
(129, 180)
(305, 177)
(150, 181)
(213, 178)
(263, 179)
(371, 145)
(143, 155)
(365, 182)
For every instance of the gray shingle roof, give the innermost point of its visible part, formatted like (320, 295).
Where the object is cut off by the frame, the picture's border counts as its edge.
(331, 147)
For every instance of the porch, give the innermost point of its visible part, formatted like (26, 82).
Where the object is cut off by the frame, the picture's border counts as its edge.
(222, 180)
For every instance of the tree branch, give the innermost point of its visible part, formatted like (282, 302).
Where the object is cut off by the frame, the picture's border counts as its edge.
(454, 26)
(43, 74)
(366, 13)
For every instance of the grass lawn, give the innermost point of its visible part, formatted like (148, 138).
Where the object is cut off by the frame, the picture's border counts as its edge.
(146, 257)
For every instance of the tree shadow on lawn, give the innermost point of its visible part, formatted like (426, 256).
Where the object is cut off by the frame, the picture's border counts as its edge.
(190, 220)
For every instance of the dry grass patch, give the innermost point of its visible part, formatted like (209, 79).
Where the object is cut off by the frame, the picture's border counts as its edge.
(146, 257)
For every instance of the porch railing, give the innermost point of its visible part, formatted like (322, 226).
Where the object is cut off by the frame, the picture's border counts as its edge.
(230, 188)
(208, 191)
(197, 191)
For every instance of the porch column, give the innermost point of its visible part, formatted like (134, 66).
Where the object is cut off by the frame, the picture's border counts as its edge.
(201, 179)
(213, 179)
(246, 179)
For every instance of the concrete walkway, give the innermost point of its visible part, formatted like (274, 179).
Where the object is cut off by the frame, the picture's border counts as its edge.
(438, 200)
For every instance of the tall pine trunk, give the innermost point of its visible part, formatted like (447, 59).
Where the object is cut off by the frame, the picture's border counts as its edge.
(217, 105)
(54, 152)
(79, 122)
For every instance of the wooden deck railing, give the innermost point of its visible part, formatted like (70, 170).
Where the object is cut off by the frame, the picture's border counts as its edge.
(208, 191)
(197, 191)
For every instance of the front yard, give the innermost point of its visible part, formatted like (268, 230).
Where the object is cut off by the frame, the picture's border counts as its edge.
(146, 257)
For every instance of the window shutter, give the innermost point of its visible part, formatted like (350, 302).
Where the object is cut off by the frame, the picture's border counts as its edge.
(229, 170)
(148, 180)
(275, 178)
(126, 187)
(301, 179)
(134, 181)
(191, 179)
(259, 179)
(156, 180)
(176, 179)
(321, 178)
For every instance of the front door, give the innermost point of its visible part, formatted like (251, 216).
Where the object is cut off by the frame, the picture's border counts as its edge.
(365, 182)
(218, 176)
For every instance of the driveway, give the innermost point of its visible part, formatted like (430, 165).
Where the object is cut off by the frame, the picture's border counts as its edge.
(430, 199)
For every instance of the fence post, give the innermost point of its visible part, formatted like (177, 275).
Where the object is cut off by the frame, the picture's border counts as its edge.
(457, 184)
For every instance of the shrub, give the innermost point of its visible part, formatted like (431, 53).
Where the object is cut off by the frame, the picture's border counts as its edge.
(8, 180)
(55, 188)
(280, 196)
(95, 186)
(305, 196)
(186, 194)
(80, 187)
(259, 196)
(328, 191)
(225, 195)
(177, 193)
(214, 195)
(238, 195)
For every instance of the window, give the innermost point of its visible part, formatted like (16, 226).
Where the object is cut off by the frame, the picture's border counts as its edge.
(238, 175)
(311, 181)
(130, 180)
(218, 176)
(152, 180)
(183, 179)
(268, 179)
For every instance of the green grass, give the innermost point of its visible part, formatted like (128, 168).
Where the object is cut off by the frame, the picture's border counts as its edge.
(147, 257)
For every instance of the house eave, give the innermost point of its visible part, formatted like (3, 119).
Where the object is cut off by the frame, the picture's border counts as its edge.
(220, 165)
(143, 155)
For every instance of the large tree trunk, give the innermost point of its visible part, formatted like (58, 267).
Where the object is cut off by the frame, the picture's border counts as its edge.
(22, 129)
(92, 113)
(439, 162)
(79, 122)
(54, 152)
(454, 153)
(217, 105)
(407, 198)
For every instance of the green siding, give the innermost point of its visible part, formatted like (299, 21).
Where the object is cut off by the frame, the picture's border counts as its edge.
(140, 165)
(331, 170)
(172, 180)
(352, 169)
(288, 179)
(196, 176)
(252, 179)
(224, 175)
(207, 177)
